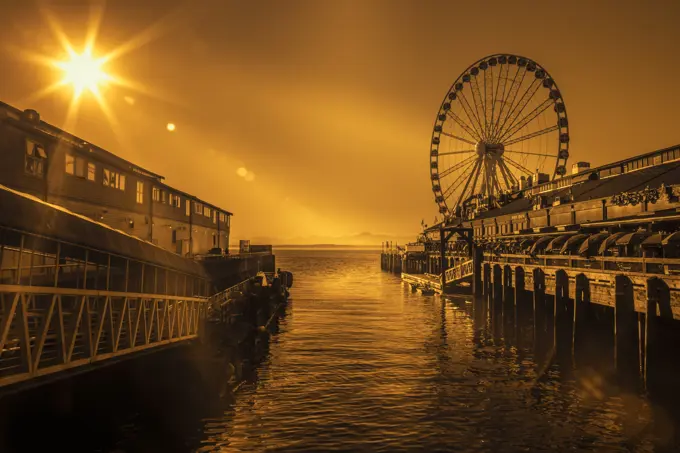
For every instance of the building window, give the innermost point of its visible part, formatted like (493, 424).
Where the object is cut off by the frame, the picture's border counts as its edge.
(188, 208)
(198, 208)
(113, 179)
(214, 216)
(206, 211)
(156, 194)
(175, 200)
(77, 166)
(140, 192)
(35, 159)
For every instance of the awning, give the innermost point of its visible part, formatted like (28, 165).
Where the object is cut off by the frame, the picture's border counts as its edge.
(610, 241)
(654, 240)
(524, 243)
(573, 243)
(541, 244)
(672, 239)
(633, 238)
(590, 246)
(556, 244)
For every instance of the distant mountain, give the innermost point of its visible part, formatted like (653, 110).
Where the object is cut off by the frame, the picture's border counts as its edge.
(363, 239)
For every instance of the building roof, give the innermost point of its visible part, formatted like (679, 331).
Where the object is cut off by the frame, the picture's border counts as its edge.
(25, 212)
(58, 134)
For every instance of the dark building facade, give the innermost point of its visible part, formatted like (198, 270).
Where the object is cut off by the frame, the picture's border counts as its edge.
(59, 168)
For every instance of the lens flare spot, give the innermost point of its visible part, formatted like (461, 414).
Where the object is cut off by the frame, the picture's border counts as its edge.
(242, 172)
(171, 127)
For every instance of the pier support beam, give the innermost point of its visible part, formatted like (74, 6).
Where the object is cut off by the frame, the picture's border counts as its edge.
(508, 295)
(539, 303)
(497, 289)
(522, 310)
(582, 315)
(486, 268)
(626, 353)
(658, 307)
(477, 271)
(564, 315)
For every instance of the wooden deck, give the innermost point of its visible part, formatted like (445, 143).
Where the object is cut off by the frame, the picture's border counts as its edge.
(418, 281)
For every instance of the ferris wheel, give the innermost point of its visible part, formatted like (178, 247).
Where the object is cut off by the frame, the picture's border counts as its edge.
(502, 125)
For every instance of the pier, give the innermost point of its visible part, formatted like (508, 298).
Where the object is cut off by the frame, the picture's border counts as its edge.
(616, 255)
(76, 294)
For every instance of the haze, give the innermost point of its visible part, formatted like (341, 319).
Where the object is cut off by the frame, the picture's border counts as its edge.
(311, 120)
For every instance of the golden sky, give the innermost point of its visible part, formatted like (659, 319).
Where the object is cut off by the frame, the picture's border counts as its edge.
(329, 105)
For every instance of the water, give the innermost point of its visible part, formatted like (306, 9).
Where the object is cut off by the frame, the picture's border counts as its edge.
(359, 363)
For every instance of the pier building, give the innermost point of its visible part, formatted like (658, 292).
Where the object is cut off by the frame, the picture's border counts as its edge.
(59, 168)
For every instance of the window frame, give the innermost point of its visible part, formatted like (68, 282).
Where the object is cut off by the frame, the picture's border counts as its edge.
(113, 179)
(139, 197)
(35, 159)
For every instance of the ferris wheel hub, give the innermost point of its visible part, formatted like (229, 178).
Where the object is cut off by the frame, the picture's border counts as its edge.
(488, 149)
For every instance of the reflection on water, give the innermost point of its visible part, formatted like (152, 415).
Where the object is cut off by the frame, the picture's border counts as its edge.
(359, 363)
(362, 364)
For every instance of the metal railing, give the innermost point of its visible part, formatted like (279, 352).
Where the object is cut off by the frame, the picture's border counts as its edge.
(47, 330)
(64, 306)
(663, 266)
(459, 272)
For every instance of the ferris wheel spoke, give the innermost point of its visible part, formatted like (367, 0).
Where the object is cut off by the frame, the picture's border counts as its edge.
(518, 108)
(529, 153)
(451, 153)
(513, 179)
(477, 173)
(473, 133)
(488, 95)
(518, 166)
(472, 115)
(502, 79)
(505, 177)
(519, 124)
(476, 94)
(506, 94)
(547, 130)
(458, 166)
(473, 173)
(508, 106)
(469, 167)
(458, 138)
(497, 184)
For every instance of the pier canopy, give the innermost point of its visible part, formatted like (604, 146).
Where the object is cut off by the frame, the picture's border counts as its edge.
(572, 245)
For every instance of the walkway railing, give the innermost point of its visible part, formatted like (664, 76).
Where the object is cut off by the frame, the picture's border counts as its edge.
(459, 272)
(658, 266)
(46, 330)
(64, 306)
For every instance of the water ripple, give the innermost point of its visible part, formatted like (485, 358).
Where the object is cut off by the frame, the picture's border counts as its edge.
(362, 364)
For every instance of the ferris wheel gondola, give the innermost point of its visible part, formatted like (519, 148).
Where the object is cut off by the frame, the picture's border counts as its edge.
(501, 126)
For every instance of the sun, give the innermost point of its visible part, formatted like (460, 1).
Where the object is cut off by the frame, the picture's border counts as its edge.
(84, 72)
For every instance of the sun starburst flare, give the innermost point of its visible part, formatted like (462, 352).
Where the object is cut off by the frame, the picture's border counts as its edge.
(84, 72)
(88, 72)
